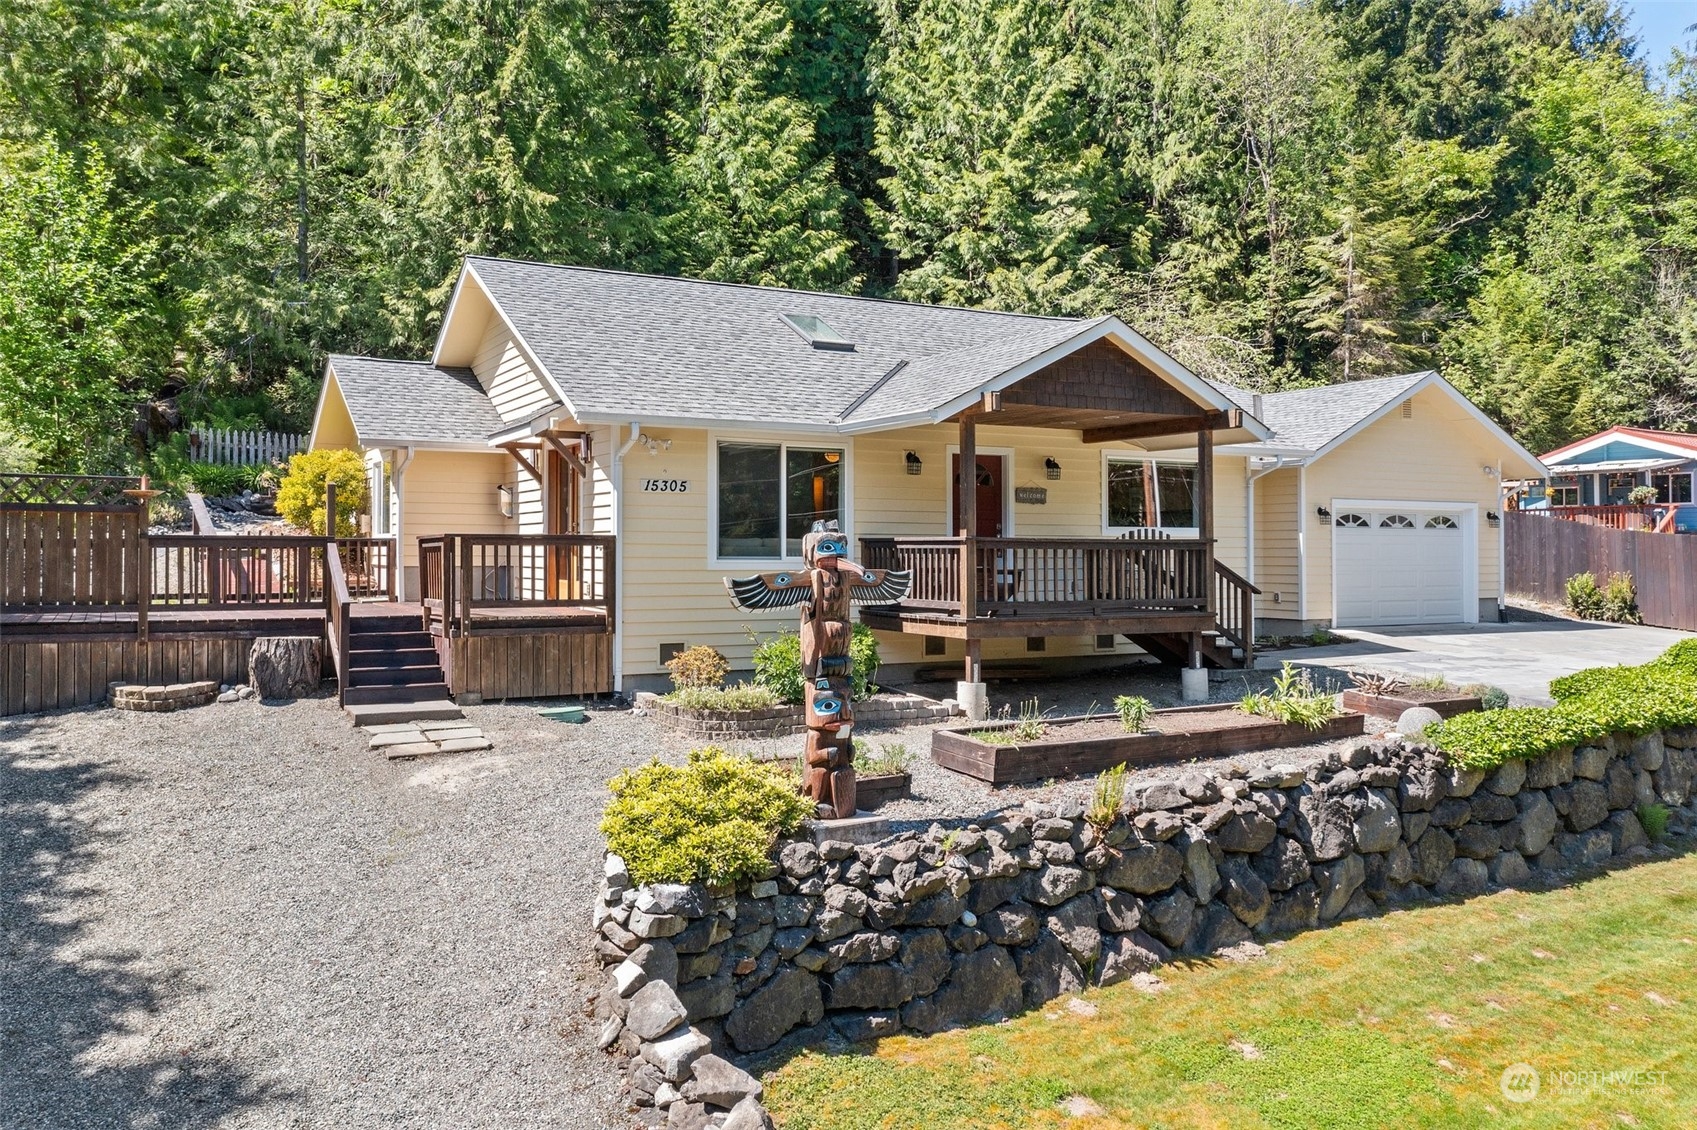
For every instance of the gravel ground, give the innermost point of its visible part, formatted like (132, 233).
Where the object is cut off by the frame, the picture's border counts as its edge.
(237, 916)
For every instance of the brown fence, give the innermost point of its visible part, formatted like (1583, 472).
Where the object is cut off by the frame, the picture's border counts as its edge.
(1543, 552)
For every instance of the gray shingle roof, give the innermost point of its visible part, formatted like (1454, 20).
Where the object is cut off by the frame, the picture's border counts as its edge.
(414, 401)
(1310, 418)
(661, 347)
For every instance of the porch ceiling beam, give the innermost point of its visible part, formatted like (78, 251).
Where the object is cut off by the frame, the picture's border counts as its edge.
(1172, 425)
(568, 452)
(522, 460)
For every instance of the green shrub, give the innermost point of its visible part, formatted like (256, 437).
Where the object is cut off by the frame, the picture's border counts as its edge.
(698, 666)
(1616, 601)
(1584, 598)
(777, 664)
(1490, 697)
(1641, 496)
(218, 481)
(1293, 700)
(743, 696)
(1106, 797)
(1654, 817)
(300, 496)
(1134, 712)
(713, 820)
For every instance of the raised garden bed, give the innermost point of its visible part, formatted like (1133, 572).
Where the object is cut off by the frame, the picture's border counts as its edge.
(871, 790)
(1091, 743)
(883, 709)
(1448, 703)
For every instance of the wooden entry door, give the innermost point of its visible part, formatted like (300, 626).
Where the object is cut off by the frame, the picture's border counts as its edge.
(991, 519)
(561, 509)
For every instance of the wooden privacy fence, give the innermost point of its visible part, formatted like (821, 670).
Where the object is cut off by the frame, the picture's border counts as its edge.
(228, 446)
(1542, 552)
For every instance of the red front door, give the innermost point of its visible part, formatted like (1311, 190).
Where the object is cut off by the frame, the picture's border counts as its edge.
(989, 497)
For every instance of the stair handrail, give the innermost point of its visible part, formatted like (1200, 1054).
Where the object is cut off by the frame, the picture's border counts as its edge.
(337, 608)
(1237, 624)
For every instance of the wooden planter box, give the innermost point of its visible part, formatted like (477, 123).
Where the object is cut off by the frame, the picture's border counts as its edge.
(1058, 756)
(871, 792)
(1392, 705)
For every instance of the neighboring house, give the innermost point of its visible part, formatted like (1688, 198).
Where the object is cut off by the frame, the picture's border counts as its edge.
(1117, 496)
(1603, 469)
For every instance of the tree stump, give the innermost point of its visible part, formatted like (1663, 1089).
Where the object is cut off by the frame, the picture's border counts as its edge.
(285, 666)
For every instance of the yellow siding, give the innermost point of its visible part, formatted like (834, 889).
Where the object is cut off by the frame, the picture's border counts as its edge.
(335, 427)
(673, 593)
(1276, 545)
(1435, 456)
(451, 492)
(599, 506)
(517, 392)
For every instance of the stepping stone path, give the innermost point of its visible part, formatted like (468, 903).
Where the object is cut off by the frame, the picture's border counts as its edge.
(401, 741)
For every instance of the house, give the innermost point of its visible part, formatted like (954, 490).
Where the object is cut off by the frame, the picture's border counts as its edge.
(1603, 469)
(1117, 502)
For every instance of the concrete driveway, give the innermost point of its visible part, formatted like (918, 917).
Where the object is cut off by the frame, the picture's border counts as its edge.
(1521, 658)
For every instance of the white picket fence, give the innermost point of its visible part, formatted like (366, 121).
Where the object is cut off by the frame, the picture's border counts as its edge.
(245, 449)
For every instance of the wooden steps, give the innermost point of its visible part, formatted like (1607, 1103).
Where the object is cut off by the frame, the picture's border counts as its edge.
(394, 674)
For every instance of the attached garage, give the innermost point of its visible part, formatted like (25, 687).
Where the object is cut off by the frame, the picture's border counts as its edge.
(1404, 563)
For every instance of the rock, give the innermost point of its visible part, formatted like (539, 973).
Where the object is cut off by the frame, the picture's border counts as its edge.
(1414, 825)
(285, 666)
(1281, 776)
(1508, 777)
(1198, 787)
(1121, 912)
(1200, 873)
(981, 985)
(718, 1082)
(789, 1000)
(1171, 918)
(710, 997)
(1014, 924)
(799, 859)
(1143, 868)
(1337, 883)
(1378, 827)
(654, 1010)
(1432, 856)
(1673, 780)
(610, 1030)
(1537, 823)
(1477, 841)
(1492, 808)
(687, 899)
(1463, 877)
(1626, 832)
(1620, 783)
(1461, 783)
(1452, 813)
(1647, 751)
(1244, 892)
(677, 1053)
(1074, 923)
(942, 909)
(1282, 864)
(1422, 787)
(1509, 869)
(859, 1027)
(1552, 769)
(831, 924)
(747, 1115)
(1124, 955)
(628, 977)
(1054, 884)
(868, 986)
(1220, 929)
(864, 946)
(1047, 970)
(1585, 849)
(1588, 805)
(1246, 831)
(645, 925)
(1324, 825)
(1296, 910)
(1591, 762)
(1154, 796)
(791, 910)
(1158, 825)
(1412, 723)
(682, 1115)
(229, 696)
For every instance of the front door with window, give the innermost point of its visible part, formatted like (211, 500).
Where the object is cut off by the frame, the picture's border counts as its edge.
(990, 513)
(561, 500)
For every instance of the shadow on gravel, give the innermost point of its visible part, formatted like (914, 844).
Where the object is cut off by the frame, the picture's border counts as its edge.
(57, 1006)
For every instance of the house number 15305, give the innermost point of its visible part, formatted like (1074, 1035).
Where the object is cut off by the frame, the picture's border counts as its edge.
(665, 486)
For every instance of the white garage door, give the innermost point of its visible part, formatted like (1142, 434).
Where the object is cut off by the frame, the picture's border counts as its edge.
(1399, 566)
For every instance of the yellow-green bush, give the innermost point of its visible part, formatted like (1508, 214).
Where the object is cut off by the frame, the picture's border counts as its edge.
(713, 820)
(300, 496)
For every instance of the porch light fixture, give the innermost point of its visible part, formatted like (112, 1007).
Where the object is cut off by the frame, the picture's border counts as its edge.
(1323, 514)
(1492, 517)
(505, 494)
(1051, 468)
(914, 466)
(992, 402)
(654, 446)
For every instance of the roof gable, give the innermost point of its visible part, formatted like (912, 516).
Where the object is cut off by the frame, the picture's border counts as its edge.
(411, 403)
(1628, 443)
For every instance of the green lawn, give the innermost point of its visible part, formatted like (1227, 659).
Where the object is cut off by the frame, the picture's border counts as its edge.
(1405, 1020)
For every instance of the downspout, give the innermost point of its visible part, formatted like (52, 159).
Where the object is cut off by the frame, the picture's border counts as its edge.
(1302, 543)
(1502, 547)
(619, 556)
(397, 473)
(1250, 474)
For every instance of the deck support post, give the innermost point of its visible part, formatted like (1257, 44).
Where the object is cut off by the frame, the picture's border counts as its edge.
(1205, 511)
(971, 692)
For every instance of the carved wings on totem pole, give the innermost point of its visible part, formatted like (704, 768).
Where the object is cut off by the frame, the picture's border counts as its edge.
(765, 591)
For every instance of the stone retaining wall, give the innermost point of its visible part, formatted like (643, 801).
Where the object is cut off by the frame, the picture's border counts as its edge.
(786, 718)
(923, 932)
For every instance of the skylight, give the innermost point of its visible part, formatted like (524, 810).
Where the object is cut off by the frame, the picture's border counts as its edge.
(816, 331)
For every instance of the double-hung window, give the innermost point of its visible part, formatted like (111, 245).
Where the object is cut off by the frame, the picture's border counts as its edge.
(1145, 493)
(770, 494)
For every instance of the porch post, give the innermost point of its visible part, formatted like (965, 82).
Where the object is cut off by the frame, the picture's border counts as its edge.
(971, 693)
(1205, 510)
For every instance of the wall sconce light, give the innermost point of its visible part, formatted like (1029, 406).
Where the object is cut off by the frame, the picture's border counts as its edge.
(1489, 470)
(654, 446)
(1493, 517)
(914, 466)
(992, 402)
(1051, 468)
(505, 494)
(1323, 514)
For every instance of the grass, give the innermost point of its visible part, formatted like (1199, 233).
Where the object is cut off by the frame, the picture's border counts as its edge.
(1407, 1020)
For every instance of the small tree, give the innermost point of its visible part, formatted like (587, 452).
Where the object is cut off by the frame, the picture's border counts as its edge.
(300, 496)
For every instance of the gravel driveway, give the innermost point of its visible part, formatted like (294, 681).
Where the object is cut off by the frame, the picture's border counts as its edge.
(238, 916)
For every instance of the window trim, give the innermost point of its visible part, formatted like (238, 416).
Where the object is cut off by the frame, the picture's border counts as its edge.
(784, 441)
(1131, 456)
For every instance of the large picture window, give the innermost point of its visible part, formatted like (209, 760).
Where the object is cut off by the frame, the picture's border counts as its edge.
(770, 495)
(1145, 493)
(1672, 487)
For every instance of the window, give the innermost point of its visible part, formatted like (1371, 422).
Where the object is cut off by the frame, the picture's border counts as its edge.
(377, 485)
(1672, 487)
(817, 332)
(1441, 522)
(1144, 493)
(1353, 520)
(1563, 491)
(1396, 522)
(771, 494)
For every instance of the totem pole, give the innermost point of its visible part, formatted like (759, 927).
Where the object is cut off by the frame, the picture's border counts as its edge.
(824, 598)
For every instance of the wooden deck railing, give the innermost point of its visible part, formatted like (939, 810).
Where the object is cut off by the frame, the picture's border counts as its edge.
(1034, 576)
(221, 571)
(460, 573)
(1234, 610)
(369, 567)
(1619, 517)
